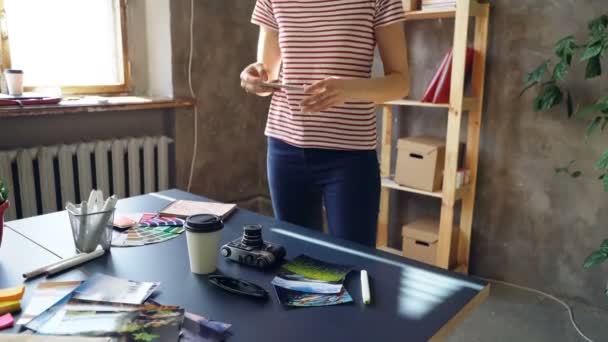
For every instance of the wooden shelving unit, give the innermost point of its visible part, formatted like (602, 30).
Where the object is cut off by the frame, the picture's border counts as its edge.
(453, 246)
(431, 14)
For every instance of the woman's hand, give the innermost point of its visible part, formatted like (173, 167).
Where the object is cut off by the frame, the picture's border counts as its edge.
(327, 93)
(252, 77)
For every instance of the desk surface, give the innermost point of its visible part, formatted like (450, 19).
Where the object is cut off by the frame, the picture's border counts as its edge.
(410, 301)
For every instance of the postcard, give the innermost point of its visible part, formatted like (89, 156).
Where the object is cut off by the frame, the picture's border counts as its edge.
(45, 295)
(147, 323)
(302, 299)
(101, 287)
(310, 275)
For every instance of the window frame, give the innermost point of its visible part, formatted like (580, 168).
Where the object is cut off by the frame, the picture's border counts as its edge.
(116, 89)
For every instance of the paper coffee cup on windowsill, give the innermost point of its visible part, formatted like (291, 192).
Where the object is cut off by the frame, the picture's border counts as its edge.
(14, 81)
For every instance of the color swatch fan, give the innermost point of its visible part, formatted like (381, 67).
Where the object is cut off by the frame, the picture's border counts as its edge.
(150, 229)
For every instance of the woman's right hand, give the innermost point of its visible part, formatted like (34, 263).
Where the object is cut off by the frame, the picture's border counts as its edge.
(252, 77)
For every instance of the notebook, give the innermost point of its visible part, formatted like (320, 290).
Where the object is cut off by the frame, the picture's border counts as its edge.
(184, 208)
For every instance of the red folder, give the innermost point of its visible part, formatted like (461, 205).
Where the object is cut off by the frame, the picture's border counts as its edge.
(29, 102)
(429, 93)
(442, 93)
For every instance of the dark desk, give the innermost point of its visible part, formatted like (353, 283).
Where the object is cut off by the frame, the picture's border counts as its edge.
(410, 301)
(19, 255)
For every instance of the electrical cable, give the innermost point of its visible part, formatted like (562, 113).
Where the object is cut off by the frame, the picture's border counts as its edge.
(571, 314)
(190, 54)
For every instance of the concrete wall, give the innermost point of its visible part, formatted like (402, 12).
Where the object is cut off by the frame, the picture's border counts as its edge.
(231, 145)
(531, 227)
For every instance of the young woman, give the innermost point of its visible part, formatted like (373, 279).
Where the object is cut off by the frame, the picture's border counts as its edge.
(322, 137)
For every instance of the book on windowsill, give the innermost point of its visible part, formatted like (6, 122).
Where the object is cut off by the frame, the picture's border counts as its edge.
(184, 208)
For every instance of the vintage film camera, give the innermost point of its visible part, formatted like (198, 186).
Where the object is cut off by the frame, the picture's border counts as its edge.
(252, 250)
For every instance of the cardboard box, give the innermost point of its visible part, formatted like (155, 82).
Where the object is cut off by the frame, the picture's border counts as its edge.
(411, 5)
(420, 162)
(420, 240)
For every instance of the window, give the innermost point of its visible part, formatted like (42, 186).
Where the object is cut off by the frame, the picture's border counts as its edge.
(77, 45)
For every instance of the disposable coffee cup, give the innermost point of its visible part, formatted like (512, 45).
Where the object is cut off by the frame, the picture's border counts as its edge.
(203, 236)
(14, 81)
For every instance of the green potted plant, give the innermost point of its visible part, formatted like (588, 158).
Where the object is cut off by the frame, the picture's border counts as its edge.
(4, 204)
(553, 89)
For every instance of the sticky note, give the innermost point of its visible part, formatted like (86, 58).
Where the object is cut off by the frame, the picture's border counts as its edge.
(6, 321)
(12, 294)
(6, 307)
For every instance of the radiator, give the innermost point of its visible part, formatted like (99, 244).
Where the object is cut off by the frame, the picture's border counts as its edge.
(42, 179)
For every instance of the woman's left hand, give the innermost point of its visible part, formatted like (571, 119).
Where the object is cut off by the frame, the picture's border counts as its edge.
(325, 94)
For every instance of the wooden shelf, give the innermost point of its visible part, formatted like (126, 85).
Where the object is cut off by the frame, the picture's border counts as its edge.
(390, 250)
(468, 104)
(414, 103)
(391, 184)
(462, 268)
(431, 14)
(450, 251)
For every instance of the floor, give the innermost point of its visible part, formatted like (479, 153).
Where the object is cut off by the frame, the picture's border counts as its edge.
(514, 315)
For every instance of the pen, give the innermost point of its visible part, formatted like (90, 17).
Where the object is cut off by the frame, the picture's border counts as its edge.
(63, 264)
(81, 259)
(365, 287)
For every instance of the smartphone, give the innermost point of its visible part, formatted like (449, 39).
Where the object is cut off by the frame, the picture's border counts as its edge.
(278, 85)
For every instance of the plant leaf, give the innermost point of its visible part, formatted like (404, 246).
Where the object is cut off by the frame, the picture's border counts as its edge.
(560, 70)
(569, 105)
(591, 109)
(537, 104)
(605, 183)
(592, 50)
(598, 25)
(604, 246)
(550, 96)
(595, 123)
(535, 76)
(594, 67)
(602, 163)
(565, 48)
(595, 258)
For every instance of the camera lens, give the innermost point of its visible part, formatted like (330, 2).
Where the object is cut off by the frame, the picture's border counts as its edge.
(252, 235)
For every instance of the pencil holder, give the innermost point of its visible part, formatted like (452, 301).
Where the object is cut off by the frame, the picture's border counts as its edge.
(91, 229)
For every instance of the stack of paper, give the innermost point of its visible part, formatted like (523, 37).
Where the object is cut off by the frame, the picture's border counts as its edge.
(305, 281)
(108, 306)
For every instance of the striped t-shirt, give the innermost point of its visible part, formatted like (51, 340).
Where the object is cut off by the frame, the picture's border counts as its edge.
(320, 39)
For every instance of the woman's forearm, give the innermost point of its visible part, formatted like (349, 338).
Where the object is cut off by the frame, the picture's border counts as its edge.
(269, 53)
(380, 89)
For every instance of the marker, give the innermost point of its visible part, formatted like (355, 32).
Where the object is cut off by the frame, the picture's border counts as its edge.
(365, 287)
(64, 264)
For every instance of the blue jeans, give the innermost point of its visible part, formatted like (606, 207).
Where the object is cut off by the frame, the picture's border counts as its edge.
(302, 180)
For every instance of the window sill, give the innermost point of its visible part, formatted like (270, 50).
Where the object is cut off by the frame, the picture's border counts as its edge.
(93, 104)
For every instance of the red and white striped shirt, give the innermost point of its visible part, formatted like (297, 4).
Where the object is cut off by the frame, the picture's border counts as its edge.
(320, 39)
